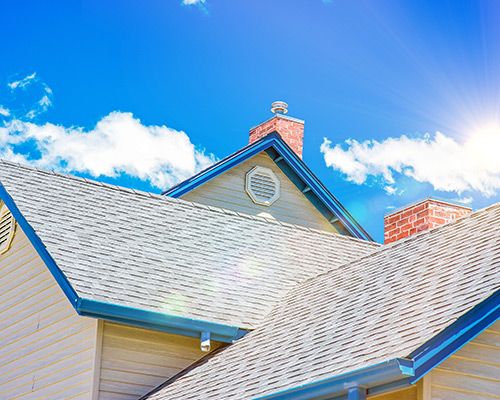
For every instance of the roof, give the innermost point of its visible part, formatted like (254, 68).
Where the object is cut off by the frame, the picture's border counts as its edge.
(294, 168)
(142, 252)
(410, 299)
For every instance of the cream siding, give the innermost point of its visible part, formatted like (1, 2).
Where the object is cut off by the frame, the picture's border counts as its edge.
(403, 394)
(473, 372)
(228, 191)
(135, 360)
(46, 348)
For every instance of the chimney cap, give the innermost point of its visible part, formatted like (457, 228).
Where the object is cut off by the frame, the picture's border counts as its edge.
(279, 107)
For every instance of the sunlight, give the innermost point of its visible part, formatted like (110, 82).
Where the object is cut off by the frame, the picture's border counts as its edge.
(484, 146)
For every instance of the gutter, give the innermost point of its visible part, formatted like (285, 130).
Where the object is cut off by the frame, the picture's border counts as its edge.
(456, 335)
(390, 375)
(158, 321)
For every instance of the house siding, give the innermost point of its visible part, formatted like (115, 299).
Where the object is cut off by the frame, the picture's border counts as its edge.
(473, 372)
(403, 394)
(46, 348)
(228, 191)
(134, 360)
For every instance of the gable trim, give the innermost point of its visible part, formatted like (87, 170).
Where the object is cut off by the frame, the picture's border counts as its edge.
(455, 336)
(390, 375)
(118, 313)
(290, 164)
(39, 247)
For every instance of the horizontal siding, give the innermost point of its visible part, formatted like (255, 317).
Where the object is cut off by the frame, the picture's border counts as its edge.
(46, 348)
(403, 394)
(473, 372)
(134, 360)
(228, 191)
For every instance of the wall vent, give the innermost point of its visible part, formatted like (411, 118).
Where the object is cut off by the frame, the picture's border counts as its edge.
(263, 186)
(7, 228)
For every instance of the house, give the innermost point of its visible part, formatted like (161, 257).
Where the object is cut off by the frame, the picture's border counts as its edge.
(247, 281)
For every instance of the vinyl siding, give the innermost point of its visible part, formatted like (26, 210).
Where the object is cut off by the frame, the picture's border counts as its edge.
(46, 348)
(228, 191)
(403, 394)
(134, 360)
(473, 372)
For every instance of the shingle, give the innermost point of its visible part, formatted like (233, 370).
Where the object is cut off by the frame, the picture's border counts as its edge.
(195, 261)
(379, 307)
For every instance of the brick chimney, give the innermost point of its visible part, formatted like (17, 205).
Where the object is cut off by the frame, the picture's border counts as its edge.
(290, 129)
(421, 215)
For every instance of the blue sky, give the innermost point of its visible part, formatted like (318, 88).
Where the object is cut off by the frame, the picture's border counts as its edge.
(401, 98)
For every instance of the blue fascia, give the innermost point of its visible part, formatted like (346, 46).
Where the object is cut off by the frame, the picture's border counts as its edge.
(456, 335)
(390, 374)
(293, 161)
(113, 312)
(39, 247)
(158, 321)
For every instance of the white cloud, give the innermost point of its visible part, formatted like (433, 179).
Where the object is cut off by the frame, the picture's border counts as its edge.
(23, 82)
(439, 160)
(118, 144)
(190, 2)
(4, 111)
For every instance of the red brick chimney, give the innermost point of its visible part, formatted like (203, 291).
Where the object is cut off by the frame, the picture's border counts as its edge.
(290, 129)
(420, 216)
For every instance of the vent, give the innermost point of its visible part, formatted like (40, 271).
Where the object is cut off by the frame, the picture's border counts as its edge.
(7, 228)
(263, 186)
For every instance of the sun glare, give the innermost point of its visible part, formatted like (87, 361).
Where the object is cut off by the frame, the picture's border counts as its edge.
(484, 145)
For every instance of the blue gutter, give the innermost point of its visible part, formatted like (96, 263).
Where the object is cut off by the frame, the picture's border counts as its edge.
(456, 335)
(390, 374)
(158, 321)
(114, 312)
(293, 161)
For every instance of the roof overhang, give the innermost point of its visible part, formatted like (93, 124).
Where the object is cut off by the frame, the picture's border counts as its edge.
(452, 338)
(294, 168)
(114, 312)
(380, 378)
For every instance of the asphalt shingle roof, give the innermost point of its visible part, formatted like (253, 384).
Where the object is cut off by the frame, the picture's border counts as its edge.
(156, 253)
(382, 306)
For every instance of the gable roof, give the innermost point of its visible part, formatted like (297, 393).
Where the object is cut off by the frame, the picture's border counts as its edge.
(164, 263)
(418, 299)
(294, 168)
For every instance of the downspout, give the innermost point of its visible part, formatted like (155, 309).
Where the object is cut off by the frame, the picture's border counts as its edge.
(357, 393)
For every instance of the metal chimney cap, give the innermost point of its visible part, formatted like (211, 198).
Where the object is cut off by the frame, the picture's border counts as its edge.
(279, 107)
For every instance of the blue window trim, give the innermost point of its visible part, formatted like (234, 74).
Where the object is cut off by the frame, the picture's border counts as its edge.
(390, 375)
(114, 312)
(293, 162)
(456, 335)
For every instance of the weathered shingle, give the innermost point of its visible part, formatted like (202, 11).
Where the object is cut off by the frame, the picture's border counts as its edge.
(382, 306)
(157, 253)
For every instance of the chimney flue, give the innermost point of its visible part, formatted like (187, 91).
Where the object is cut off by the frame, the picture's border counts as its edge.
(290, 129)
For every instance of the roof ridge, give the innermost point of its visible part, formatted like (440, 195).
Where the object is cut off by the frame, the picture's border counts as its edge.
(161, 197)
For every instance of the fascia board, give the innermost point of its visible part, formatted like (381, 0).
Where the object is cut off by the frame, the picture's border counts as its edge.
(40, 248)
(293, 161)
(379, 375)
(158, 321)
(456, 335)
